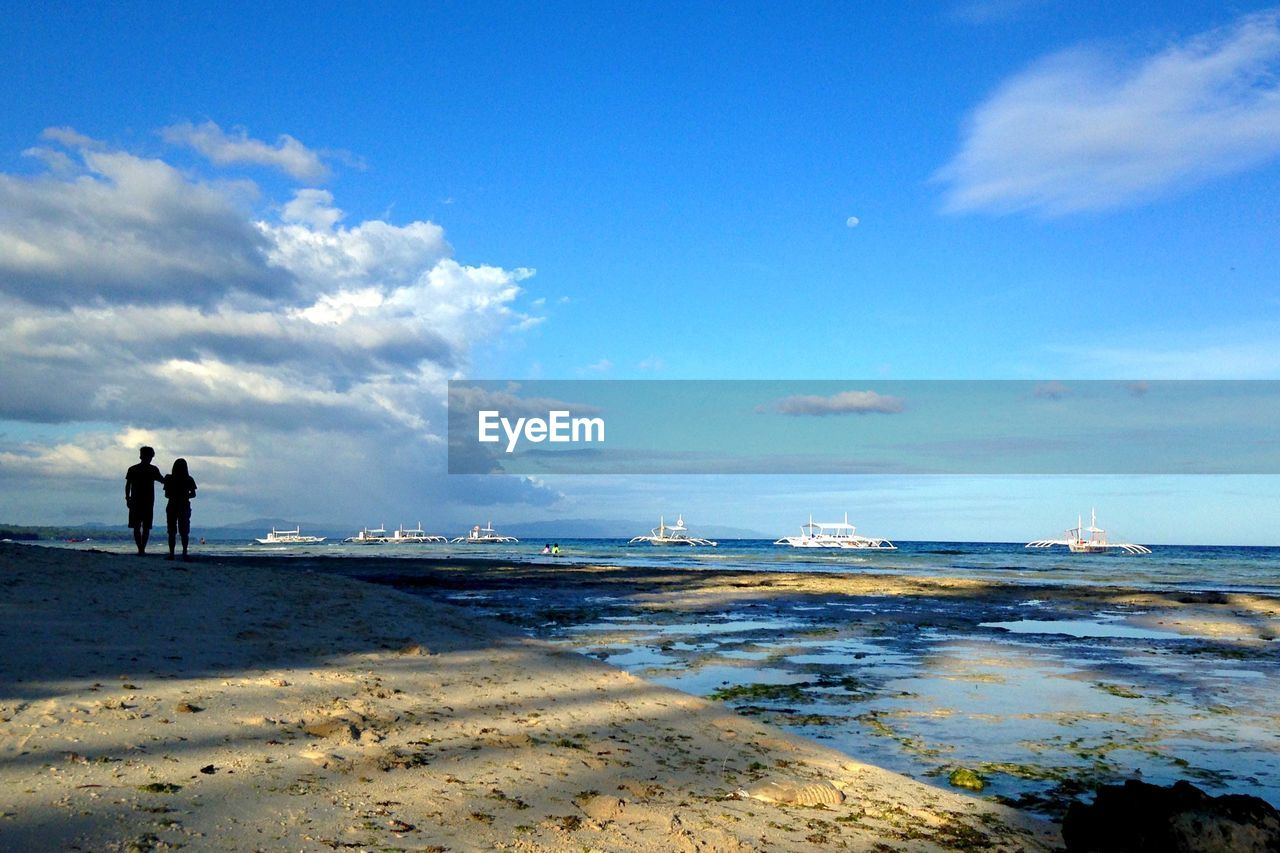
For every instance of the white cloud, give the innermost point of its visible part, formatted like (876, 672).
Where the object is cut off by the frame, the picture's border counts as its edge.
(123, 228)
(134, 295)
(313, 208)
(843, 403)
(225, 149)
(1084, 131)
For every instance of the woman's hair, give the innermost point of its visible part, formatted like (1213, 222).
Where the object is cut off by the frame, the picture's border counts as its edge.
(180, 468)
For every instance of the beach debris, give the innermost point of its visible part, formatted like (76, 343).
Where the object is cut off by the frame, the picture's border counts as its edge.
(395, 759)
(209, 769)
(188, 708)
(160, 788)
(963, 777)
(821, 793)
(564, 823)
(1142, 816)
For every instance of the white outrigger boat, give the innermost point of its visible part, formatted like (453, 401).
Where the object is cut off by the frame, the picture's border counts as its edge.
(414, 535)
(289, 537)
(675, 535)
(1095, 543)
(484, 536)
(834, 534)
(369, 536)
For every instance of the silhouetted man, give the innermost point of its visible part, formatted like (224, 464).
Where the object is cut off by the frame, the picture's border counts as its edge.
(140, 496)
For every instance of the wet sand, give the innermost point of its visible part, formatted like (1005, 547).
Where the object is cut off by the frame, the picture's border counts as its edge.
(259, 704)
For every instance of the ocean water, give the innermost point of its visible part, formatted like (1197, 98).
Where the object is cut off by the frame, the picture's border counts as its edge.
(1190, 567)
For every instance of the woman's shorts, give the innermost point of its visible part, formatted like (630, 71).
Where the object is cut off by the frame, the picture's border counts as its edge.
(179, 518)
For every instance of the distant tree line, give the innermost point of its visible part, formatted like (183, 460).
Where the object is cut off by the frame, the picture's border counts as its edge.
(24, 533)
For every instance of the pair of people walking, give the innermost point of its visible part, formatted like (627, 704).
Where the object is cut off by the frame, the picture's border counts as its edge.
(140, 497)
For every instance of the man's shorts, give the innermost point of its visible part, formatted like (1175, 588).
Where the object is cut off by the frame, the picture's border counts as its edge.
(141, 515)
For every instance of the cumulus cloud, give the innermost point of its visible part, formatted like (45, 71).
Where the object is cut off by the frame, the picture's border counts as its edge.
(1082, 130)
(135, 295)
(843, 403)
(117, 227)
(224, 149)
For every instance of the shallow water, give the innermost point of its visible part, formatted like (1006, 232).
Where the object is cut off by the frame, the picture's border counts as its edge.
(1044, 708)
(1082, 628)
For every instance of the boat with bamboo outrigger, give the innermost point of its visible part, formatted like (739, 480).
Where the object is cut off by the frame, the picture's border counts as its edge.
(369, 536)
(1089, 540)
(484, 536)
(677, 534)
(289, 537)
(835, 534)
(414, 535)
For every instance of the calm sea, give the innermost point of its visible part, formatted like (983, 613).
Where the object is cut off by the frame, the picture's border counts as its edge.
(1215, 567)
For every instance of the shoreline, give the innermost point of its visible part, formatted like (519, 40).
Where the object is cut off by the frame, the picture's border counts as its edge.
(667, 561)
(230, 702)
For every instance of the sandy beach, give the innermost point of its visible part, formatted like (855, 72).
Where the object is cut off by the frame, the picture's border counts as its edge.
(222, 704)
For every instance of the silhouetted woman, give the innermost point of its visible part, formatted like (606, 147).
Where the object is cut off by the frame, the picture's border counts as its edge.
(179, 488)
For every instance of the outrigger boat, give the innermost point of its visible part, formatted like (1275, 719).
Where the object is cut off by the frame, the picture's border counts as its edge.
(414, 535)
(289, 537)
(675, 535)
(835, 534)
(484, 536)
(1094, 543)
(369, 536)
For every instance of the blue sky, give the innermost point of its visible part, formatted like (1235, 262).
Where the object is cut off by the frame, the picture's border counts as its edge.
(361, 202)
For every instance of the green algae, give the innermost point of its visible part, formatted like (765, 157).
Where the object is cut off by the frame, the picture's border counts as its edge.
(963, 777)
(1117, 690)
(759, 692)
